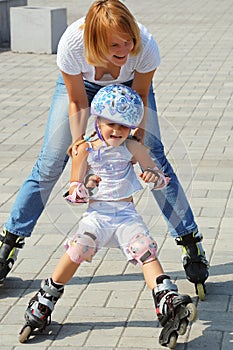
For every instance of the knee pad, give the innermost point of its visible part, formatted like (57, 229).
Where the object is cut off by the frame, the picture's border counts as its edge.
(82, 247)
(143, 248)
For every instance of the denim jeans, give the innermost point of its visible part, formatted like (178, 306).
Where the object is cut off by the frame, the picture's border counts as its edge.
(34, 193)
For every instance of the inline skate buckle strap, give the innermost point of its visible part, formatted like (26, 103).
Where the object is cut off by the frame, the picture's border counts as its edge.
(44, 301)
(166, 303)
(16, 242)
(190, 238)
(167, 285)
(53, 292)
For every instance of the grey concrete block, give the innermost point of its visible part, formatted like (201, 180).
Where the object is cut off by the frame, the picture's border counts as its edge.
(5, 6)
(37, 29)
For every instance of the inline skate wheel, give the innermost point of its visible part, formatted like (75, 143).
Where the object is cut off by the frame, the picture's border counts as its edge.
(192, 312)
(200, 290)
(25, 334)
(172, 340)
(183, 327)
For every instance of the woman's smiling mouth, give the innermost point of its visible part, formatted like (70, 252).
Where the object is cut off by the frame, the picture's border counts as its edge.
(120, 57)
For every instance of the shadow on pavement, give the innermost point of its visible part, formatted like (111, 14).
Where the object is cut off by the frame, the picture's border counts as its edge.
(16, 287)
(211, 321)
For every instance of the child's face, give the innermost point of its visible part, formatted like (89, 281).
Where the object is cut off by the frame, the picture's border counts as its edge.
(113, 134)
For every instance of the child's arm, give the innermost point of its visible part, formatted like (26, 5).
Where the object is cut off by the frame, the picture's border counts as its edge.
(151, 172)
(77, 192)
(79, 164)
(81, 186)
(140, 153)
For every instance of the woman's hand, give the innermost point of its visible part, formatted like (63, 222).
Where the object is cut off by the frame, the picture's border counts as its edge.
(74, 150)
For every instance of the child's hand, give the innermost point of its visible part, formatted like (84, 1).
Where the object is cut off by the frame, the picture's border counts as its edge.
(91, 183)
(148, 176)
(155, 176)
(77, 193)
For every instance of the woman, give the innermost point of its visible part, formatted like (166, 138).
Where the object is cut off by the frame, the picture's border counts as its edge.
(107, 46)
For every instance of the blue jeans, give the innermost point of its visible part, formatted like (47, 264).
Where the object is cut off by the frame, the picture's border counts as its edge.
(34, 193)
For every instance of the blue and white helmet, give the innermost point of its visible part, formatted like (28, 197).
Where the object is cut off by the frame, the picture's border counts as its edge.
(119, 104)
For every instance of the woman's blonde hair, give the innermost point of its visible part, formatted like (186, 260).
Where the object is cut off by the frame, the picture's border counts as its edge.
(103, 18)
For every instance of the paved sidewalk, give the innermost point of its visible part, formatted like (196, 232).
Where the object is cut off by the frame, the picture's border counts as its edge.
(107, 305)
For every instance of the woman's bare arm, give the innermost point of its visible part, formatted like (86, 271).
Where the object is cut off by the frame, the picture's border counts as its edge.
(78, 105)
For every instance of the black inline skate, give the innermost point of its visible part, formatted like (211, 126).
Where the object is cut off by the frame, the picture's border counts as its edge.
(40, 307)
(9, 246)
(174, 311)
(194, 261)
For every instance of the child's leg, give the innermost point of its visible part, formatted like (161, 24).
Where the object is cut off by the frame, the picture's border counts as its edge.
(64, 270)
(151, 271)
(174, 310)
(40, 307)
(81, 247)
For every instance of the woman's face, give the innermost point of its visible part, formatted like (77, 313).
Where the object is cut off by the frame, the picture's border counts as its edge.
(120, 45)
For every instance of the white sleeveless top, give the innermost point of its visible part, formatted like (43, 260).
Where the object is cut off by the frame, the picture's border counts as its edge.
(71, 56)
(113, 165)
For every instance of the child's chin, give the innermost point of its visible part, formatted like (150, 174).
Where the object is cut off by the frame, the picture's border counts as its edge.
(115, 142)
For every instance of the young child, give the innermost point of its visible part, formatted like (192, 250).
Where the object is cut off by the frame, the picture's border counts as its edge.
(111, 218)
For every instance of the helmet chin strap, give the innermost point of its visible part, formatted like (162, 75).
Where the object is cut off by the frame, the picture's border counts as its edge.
(97, 129)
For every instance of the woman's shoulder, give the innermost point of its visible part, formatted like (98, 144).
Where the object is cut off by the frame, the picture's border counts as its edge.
(70, 51)
(149, 57)
(145, 33)
(74, 30)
